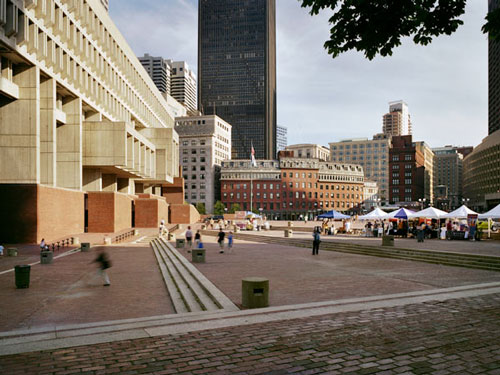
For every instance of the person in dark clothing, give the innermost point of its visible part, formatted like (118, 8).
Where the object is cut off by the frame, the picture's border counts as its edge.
(104, 264)
(316, 242)
(220, 240)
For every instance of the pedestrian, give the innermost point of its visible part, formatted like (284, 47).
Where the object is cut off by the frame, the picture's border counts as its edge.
(230, 241)
(1, 250)
(104, 264)
(316, 241)
(212, 223)
(189, 238)
(162, 229)
(197, 238)
(43, 245)
(220, 240)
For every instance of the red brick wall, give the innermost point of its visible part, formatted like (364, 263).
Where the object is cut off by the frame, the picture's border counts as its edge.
(175, 193)
(183, 214)
(31, 212)
(109, 212)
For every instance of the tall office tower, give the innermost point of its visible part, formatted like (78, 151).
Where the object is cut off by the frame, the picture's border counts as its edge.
(183, 86)
(397, 121)
(281, 138)
(494, 78)
(105, 4)
(237, 71)
(159, 70)
(448, 177)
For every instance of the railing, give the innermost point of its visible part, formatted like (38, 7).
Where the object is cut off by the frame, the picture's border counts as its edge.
(61, 243)
(123, 236)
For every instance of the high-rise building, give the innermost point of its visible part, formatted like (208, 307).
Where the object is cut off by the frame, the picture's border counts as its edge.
(494, 78)
(159, 70)
(397, 121)
(428, 154)
(281, 138)
(183, 84)
(237, 71)
(309, 151)
(204, 142)
(448, 177)
(372, 155)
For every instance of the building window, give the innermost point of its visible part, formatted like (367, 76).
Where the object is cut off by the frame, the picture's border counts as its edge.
(408, 157)
(408, 181)
(395, 182)
(395, 157)
(185, 143)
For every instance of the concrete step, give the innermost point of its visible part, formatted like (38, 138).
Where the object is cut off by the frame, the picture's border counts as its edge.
(190, 291)
(446, 258)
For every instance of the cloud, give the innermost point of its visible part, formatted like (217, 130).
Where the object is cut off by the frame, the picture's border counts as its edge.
(321, 99)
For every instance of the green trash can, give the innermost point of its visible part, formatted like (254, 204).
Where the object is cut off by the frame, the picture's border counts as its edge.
(22, 276)
(46, 257)
(387, 240)
(85, 246)
(180, 243)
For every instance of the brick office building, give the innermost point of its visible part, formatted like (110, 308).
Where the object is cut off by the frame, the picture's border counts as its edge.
(290, 187)
(407, 172)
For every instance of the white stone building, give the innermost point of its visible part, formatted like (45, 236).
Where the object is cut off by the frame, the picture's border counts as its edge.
(183, 86)
(310, 151)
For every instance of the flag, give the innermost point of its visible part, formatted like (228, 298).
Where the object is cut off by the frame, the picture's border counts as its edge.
(252, 157)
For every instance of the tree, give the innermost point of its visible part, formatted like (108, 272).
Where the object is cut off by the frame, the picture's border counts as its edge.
(235, 207)
(376, 27)
(219, 208)
(201, 208)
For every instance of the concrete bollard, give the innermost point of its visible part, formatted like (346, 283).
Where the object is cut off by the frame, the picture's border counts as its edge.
(12, 252)
(255, 292)
(288, 233)
(387, 240)
(136, 232)
(180, 243)
(46, 257)
(198, 255)
(76, 240)
(107, 240)
(85, 247)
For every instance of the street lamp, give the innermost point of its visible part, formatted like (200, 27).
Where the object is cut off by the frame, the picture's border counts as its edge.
(422, 202)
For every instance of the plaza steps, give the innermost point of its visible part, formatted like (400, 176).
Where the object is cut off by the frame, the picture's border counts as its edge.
(189, 290)
(483, 262)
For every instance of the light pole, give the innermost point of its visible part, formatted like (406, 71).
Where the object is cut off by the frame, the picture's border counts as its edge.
(465, 201)
(422, 203)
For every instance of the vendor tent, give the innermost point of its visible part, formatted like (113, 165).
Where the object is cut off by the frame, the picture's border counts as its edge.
(376, 214)
(459, 213)
(429, 213)
(333, 215)
(492, 214)
(402, 213)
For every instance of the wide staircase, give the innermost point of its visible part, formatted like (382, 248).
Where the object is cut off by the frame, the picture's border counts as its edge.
(189, 290)
(484, 262)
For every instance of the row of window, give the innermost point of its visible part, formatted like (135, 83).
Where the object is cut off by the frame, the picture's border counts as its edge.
(194, 176)
(291, 194)
(194, 196)
(202, 142)
(194, 160)
(362, 146)
(298, 185)
(408, 181)
(408, 157)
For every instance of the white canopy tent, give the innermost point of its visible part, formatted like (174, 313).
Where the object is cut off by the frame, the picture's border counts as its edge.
(491, 214)
(376, 214)
(429, 213)
(459, 213)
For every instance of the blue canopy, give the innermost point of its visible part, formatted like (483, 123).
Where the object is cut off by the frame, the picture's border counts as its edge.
(402, 213)
(333, 215)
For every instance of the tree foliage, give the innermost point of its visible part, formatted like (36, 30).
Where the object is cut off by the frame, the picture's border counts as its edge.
(377, 27)
(201, 208)
(219, 208)
(235, 207)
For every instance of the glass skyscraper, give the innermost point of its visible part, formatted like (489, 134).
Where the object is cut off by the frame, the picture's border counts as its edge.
(237, 71)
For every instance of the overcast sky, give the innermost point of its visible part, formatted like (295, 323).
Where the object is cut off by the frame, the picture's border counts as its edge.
(323, 100)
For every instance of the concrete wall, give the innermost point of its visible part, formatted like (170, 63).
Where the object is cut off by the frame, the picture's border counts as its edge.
(31, 212)
(109, 212)
(183, 214)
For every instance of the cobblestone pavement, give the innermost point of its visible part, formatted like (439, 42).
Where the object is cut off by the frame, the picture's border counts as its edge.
(457, 336)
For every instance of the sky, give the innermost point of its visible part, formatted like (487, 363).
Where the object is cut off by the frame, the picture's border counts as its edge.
(321, 99)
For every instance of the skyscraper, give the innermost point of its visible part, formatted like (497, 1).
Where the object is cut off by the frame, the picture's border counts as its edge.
(397, 121)
(159, 70)
(237, 71)
(494, 78)
(281, 138)
(183, 84)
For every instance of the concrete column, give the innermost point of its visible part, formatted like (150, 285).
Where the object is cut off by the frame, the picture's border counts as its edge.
(20, 130)
(48, 132)
(69, 146)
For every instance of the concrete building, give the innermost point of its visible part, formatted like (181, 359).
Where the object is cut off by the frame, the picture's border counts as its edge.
(371, 197)
(159, 70)
(482, 174)
(204, 142)
(281, 138)
(183, 86)
(86, 140)
(494, 78)
(237, 71)
(372, 155)
(448, 177)
(407, 168)
(309, 151)
(105, 4)
(290, 187)
(397, 121)
(429, 161)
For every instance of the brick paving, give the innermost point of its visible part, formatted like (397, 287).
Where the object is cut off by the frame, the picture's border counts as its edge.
(457, 336)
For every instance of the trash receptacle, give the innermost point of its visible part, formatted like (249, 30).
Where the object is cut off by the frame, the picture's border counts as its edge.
(46, 257)
(198, 255)
(255, 292)
(85, 246)
(180, 243)
(22, 276)
(12, 252)
(387, 240)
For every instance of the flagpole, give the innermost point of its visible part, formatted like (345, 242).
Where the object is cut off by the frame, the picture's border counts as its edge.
(251, 187)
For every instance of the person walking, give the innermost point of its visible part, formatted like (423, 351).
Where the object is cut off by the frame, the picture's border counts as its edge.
(220, 240)
(197, 238)
(230, 242)
(189, 239)
(104, 264)
(316, 241)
